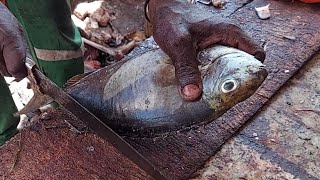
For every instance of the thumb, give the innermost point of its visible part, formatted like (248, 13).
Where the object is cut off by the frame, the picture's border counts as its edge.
(189, 78)
(13, 45)
(14, 55)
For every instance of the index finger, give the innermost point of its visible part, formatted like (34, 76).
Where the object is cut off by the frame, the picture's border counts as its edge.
(235, 37)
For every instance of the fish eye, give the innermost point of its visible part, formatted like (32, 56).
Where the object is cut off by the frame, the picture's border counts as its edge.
(229, 86)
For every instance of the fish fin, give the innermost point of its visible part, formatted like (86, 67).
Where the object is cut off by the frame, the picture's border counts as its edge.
(75, 79)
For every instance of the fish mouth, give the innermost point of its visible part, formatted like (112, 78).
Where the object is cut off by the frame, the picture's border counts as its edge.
(258, 71)
(262, 72)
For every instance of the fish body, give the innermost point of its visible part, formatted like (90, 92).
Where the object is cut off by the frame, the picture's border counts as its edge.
(139, 96)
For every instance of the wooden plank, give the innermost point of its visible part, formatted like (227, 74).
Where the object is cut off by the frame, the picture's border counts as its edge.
(180, 154)
(292, 35)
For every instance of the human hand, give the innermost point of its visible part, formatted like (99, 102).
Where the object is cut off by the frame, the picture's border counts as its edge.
(12, 45)
(181, 30)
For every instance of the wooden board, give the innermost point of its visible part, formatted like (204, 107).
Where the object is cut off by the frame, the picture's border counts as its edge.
(292, 35)
(281, 141)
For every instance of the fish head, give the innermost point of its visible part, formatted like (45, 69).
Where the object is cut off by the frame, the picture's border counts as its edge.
(230, 77)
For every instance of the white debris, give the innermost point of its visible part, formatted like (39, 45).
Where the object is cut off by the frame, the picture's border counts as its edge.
(206, 2)
(78, 22)
(90, 148)
(263, 12)
(217, 3)
(85, 9)
(192, 1)
(289, 37)
(272, 140)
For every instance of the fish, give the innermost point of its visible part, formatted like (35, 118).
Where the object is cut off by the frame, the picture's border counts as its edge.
(139, 97)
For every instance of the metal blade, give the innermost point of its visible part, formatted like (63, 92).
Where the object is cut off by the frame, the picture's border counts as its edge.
(57, 94)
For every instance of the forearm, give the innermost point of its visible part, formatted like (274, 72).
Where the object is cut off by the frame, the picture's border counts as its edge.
(155, 7)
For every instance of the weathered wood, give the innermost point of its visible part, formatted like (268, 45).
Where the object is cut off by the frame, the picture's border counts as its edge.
(278, 142)
(292, 36)
(178, 155)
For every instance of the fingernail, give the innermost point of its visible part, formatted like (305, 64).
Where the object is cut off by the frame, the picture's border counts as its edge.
(191, 92)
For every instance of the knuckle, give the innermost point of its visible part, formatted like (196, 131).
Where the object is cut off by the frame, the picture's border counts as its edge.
(181, 38)
(188, 74)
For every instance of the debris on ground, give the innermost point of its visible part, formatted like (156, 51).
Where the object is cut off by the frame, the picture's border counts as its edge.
(263, 12)
(317, 111)
(104, 44)
(206, 2)
(217, 4)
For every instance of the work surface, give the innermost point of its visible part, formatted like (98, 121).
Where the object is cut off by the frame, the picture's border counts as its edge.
(279, 142)
(282, 141)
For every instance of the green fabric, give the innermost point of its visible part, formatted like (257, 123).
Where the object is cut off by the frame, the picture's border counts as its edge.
(49, 26)
(8, 122)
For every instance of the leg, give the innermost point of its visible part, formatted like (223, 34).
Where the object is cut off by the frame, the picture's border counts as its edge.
(8, 123)
(54, 41)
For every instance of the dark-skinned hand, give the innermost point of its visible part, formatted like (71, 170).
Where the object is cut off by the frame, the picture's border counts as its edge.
(12, 45)
(181, 30)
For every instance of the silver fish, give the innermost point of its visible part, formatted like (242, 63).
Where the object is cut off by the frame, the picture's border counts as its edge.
(139, 96)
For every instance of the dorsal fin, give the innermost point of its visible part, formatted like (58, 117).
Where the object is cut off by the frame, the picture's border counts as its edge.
(75, 79)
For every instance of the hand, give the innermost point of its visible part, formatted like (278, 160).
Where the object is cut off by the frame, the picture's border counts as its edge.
(181, 30)
(12, 45)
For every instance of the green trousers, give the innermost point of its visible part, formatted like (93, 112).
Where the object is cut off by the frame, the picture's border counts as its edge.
(8, 122)
(54, 41)
(55, 45)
